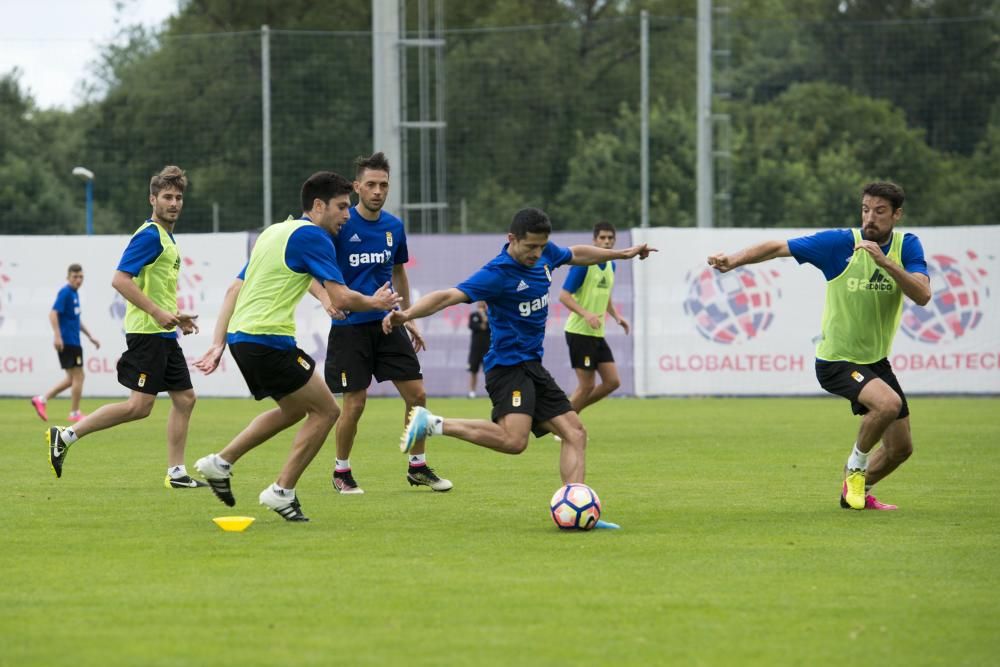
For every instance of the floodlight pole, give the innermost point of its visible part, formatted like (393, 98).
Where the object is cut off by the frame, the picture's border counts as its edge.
(88, 178)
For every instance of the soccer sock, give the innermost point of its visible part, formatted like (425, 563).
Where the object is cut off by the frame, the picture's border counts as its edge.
(858, 459)
(418, 459)
(437, 425)
(69, 436)
(343, 465)
(282, 491)
(41, 399)
(176, 472)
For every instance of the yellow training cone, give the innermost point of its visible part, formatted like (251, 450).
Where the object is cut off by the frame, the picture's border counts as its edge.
(233, 524)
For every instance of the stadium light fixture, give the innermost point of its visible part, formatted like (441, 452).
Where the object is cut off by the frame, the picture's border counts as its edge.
(88, 178)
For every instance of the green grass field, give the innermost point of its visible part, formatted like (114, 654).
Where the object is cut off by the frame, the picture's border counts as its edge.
(733, 549)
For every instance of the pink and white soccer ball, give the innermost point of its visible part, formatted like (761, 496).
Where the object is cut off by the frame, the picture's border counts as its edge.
(575, 507)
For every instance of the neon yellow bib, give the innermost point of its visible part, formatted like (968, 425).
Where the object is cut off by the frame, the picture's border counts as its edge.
(271, 291)
(158, 281)
(593, 296)
(863, 308)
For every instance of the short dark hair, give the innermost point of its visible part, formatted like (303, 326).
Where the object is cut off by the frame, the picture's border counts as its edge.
(604, 226)
(530, 221)
(324, 185)
(169, 177)
(377, 161)
(886, 190)
(74, 268)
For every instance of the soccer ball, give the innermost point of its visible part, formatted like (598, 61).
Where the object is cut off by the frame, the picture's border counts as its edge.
(575, 507)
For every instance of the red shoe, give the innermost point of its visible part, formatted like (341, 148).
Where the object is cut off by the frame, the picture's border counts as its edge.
(871, 502)
(39, 406)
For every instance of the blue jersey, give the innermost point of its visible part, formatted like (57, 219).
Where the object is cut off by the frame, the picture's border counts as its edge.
(67, 307)
(577, 274)
(831, 250)
(367, 252)
(309, 250)
(518, 300)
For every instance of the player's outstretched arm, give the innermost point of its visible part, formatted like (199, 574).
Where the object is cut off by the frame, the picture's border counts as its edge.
(585, 255)
(751, 255)
(344, 298)
(324, 300)
(425, 305)
(210, 360)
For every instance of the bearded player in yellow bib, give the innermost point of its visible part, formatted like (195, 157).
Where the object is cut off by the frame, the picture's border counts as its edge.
(868, 272)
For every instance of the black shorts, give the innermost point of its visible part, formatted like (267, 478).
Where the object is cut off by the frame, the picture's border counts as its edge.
(270, 371)
(847, 379)
(71, 356)
(526, 389)
(477, 350)
(152, 364)
(357, 352)
(588, 351)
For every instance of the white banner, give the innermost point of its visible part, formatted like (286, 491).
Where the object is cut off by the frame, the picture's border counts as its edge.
(753, 331)
(33, 270)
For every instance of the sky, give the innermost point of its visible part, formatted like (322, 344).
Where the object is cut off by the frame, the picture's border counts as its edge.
(52, 41)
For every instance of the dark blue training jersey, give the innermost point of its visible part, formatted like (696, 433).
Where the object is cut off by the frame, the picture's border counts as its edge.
(831, 250)
(67, 307)
(367, 251)
(309, 250)
(518, 300)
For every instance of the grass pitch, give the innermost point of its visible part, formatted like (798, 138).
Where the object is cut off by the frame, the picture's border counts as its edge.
(733, 549)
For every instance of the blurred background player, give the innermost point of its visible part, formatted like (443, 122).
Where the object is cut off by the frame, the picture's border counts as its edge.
(587, 294)
(526, 399)
(371, 250)
(154, 362)
(868, 270)
(66, 327)
(257, 320)
(479, 325)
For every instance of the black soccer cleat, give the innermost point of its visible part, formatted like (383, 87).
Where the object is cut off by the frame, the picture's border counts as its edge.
(424, 476)
(185, 482)
(57, 449)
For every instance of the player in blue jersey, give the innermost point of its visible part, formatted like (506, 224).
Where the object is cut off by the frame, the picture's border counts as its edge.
(868, 272)
(371, 250)
(147, 278)
(66, 327)
(515, 286)
(257, 321)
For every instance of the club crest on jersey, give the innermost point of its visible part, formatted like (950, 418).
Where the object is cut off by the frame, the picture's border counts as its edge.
(515, 399)
(388, 239)
(548, 274)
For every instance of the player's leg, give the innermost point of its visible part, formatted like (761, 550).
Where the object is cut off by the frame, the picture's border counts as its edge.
(573, 440)
(509, 435)
(263, 427)
(138, 406)
(585, 378)
(413, 394)
(418, 472)
(65, 383)
(897, 446)
(75, 392)
(349, 366)
(321, 414)
(67, 361)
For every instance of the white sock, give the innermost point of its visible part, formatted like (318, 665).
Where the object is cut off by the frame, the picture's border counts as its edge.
(418, 459)
(69, 436)
(437, 425)
(222, 463)
(42, 399)
(176, 472)
(858, 460)
(283, 492)
(343, 465)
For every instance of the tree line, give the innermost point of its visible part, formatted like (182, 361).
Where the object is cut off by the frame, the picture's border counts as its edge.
(542, 106)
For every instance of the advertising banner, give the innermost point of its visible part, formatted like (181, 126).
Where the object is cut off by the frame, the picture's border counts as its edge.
(753, 331)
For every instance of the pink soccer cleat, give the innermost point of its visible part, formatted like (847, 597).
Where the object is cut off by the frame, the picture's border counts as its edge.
(39, 406)
(871, 502)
